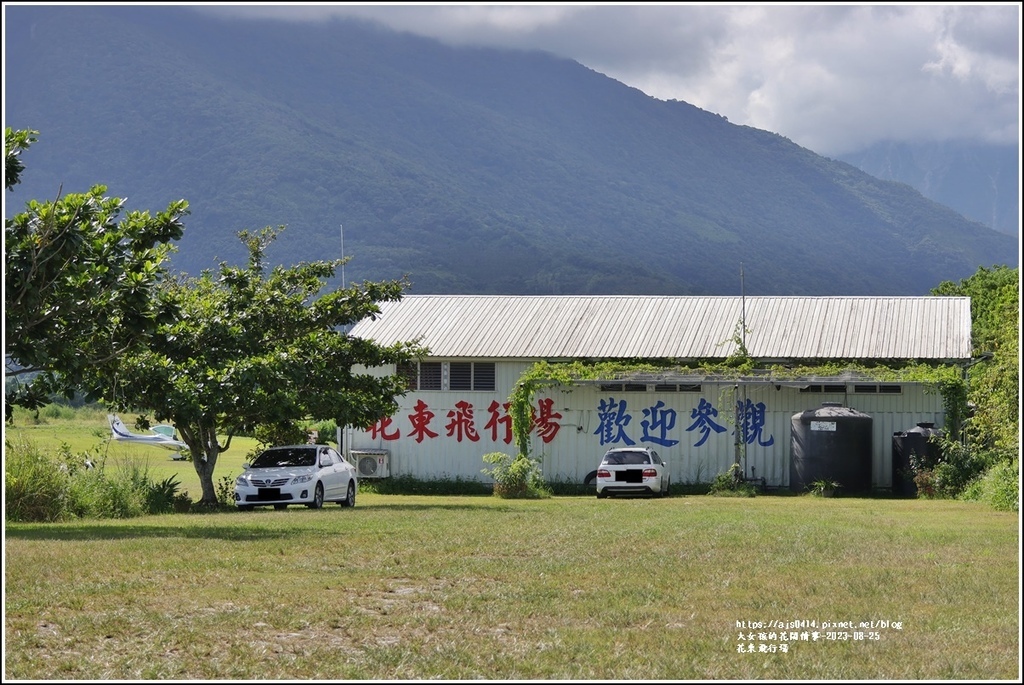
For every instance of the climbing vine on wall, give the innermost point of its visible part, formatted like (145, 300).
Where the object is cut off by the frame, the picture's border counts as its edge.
(946, 380)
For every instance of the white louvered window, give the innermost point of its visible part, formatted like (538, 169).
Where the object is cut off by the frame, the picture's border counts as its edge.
(471, 375)
(483, 376)
(460, 376)
(449, 375)
(680, 387)
(430, 376)
(881, 389)
(833, 389)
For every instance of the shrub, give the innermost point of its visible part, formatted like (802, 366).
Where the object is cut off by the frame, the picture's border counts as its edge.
(960, 465)
(88, 494)
(516, 477)
(824, 487)
(926, 482)
(948, 475)
(226, 492)
(35, 487)
(163, 495)
(125, 495)
(999, 487)
(731, 484)
(58, 412)
(327, 430)
(40, 488)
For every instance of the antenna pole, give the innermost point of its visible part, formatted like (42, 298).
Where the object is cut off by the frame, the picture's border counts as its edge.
(741, 409)
(743, 310)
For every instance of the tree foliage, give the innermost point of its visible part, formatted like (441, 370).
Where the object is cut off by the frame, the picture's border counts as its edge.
(80, 285)
(16, 142)
(993, 389)
(251, 347)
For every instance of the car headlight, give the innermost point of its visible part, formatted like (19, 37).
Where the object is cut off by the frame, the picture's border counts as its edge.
(242, 481)
(301, 479)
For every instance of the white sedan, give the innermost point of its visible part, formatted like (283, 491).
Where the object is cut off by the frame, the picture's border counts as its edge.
(632, 471)
(296, 474)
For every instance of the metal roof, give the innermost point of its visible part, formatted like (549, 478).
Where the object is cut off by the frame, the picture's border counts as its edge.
(666, 327)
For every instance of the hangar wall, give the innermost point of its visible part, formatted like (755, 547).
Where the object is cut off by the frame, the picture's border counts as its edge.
(443, 434)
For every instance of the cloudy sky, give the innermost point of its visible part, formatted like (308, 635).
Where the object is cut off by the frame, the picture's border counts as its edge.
(831, 77)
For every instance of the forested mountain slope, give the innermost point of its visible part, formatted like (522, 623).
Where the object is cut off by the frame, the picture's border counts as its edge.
(469, 170)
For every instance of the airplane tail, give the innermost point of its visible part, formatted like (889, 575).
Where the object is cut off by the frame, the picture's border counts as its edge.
(117, 427)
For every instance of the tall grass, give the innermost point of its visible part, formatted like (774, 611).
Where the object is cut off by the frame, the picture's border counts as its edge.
(36, 488)
(40, 486)
(85, 432)
(999, 487)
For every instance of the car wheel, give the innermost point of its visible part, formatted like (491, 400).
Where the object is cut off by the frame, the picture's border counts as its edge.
(350, 496)
(601, 494)
(668, 487)
(279, 507)
(318, 497)
(245, 507)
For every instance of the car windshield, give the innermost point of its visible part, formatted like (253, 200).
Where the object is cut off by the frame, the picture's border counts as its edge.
(619, 458)
(299, 456)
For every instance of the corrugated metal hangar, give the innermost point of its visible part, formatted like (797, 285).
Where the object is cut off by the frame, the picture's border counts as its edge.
(480, 346)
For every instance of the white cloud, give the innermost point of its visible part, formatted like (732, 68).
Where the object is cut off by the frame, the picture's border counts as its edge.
(830, 77)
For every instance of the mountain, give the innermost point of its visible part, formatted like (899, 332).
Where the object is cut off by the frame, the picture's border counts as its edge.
(470, 170)
(981, 181)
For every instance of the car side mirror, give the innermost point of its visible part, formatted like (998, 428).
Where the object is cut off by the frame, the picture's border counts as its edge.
(245, 466)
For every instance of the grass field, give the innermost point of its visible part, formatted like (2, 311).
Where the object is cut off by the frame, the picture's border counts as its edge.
(568, 588)
(87, 432)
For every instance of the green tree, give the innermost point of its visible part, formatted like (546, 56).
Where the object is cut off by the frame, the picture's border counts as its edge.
(252, 347)
(80, 284)
(994, 382)
(16, 142)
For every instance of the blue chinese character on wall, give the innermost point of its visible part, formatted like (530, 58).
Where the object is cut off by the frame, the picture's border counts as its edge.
(657, 422)
(613, 421)
(752, 423)
(703, 414)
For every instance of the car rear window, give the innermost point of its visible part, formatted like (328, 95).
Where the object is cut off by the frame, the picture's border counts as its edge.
(286, 457)
(620, 458)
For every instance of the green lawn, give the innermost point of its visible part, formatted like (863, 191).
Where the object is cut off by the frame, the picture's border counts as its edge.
(416, 587)
(87, 433)
(474, 587)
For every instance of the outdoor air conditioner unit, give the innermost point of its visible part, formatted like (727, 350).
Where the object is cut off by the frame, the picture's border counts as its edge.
(372, 463)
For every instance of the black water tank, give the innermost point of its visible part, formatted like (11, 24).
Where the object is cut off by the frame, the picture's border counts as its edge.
(831, 443)
(917, 440)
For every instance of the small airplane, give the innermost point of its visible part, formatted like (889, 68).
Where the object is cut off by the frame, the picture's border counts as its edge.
(161, 436)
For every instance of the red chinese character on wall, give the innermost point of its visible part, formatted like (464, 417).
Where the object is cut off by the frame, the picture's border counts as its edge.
(380, 429)
(544, 420)
(499, 419)
(421, 420)
(461, 424)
